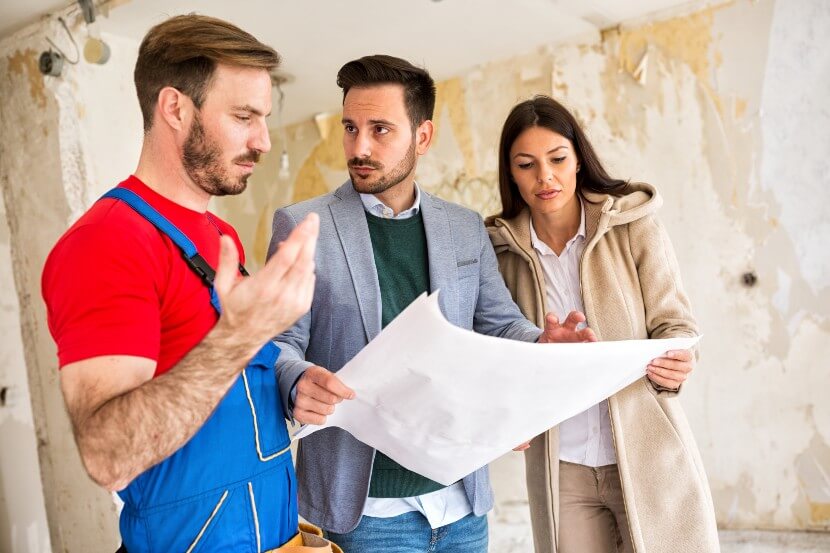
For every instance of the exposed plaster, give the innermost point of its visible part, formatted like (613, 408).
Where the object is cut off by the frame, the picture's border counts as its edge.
(696, 129)
(328, 154)
(712, 126)
(26, 62)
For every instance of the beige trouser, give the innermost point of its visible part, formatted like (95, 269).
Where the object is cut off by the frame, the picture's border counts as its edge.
(591, 510)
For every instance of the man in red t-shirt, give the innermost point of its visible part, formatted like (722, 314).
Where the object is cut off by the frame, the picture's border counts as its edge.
(145, 358)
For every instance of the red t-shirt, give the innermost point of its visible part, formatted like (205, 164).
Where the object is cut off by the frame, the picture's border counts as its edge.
(115, 285)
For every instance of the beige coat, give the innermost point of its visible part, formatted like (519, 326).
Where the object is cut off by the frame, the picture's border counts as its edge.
(631, 289)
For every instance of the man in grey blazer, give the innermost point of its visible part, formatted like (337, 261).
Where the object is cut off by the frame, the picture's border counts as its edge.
(383, 242)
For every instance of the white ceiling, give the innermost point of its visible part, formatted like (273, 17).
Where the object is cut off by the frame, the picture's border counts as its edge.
(316, 37)
(15, 14)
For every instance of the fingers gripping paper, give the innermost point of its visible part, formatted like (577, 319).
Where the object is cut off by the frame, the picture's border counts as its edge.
(443, 401)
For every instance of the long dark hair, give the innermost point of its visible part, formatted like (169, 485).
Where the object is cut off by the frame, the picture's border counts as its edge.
(544, 111)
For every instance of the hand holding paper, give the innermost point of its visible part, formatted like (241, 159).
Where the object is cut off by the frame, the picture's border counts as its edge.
(318, 393)
(671, 369)
(443, 401)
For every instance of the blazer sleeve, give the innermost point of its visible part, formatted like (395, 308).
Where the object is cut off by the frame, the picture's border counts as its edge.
(293, 342)
(668, 311)
(496, 314)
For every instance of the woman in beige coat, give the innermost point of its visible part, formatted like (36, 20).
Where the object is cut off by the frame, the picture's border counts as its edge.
(626, 474)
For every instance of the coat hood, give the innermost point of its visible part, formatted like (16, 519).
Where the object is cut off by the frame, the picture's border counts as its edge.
(602, 212)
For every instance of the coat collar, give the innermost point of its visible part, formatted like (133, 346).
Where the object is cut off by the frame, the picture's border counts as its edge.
(353, 231)
(514, 235)
(602, 212)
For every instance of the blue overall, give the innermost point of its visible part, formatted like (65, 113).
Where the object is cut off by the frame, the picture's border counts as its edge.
(232, 486)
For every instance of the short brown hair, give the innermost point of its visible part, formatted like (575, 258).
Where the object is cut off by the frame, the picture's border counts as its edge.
(183, 52)
(418, 86)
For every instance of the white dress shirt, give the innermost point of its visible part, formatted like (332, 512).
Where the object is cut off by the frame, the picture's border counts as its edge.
(379, 209)
(585, 438)
(440, 507)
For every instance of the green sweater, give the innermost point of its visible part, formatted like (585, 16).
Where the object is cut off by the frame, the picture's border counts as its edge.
(400, 249)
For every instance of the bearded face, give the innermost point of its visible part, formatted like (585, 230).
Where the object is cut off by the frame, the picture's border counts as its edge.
(370, 176)
(207, 165)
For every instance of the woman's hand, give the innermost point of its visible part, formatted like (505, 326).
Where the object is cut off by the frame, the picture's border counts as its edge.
(671, 370)
(568, 331)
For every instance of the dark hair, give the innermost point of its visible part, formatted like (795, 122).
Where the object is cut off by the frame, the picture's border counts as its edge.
(183, 52)
(544, 111)
(418, 86)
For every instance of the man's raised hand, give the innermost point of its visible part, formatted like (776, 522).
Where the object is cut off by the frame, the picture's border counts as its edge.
(267, 303)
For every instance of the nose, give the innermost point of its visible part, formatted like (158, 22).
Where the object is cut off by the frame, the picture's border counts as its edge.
(362, 146)
(260, 139)
(545, 174)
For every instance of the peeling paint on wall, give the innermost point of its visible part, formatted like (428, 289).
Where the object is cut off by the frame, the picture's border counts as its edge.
(25, 61)
(22, 513)
(686, 39)
(327, 155)
(450, 100)
(47, 182)
(814, 480)
(709, 119)
(794, 161)
(23, 522)
(691, 122)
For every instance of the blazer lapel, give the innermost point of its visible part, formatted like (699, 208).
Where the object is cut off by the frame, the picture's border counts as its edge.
(350, 222)
(443, 268)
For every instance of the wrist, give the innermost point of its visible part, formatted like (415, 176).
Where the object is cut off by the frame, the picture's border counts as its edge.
(233, 343)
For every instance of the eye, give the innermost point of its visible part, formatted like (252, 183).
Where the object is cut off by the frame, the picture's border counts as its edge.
(526, 165)
(381, 130)
(243, 118)
(350, 129)
(558, 160)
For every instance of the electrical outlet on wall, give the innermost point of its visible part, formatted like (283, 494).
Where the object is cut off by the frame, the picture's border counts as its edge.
(7, 396)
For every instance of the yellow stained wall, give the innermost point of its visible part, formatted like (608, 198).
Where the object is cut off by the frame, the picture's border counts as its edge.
(691, 122)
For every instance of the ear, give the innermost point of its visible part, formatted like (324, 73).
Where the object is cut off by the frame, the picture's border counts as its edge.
(423, 137)
(174, 108)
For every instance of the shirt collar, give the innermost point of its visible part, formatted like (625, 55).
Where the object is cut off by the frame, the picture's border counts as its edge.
(544, 249)
(379, 209)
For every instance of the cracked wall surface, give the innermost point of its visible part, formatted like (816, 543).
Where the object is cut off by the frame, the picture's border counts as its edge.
(729, 120)
(63, 142)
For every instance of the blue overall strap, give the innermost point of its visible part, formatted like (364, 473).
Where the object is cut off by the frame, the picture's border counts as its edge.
(189, 252)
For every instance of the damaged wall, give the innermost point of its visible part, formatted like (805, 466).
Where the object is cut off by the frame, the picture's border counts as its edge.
(727, 116)
(23, 524)
(63, 142)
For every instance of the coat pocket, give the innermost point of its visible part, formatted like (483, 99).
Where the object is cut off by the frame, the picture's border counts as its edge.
(468, 268)
(469, 274)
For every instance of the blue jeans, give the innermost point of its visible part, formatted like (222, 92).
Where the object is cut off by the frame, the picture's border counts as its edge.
(411, 533)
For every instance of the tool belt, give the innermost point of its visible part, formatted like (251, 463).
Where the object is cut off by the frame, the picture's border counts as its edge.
(308, 540)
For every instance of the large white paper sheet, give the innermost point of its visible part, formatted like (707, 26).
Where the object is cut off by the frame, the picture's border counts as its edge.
(443, 401)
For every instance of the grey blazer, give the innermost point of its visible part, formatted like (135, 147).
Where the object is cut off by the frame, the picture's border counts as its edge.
(334, 468)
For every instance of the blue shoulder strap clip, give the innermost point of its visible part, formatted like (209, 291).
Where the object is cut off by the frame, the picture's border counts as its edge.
(189, 252)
